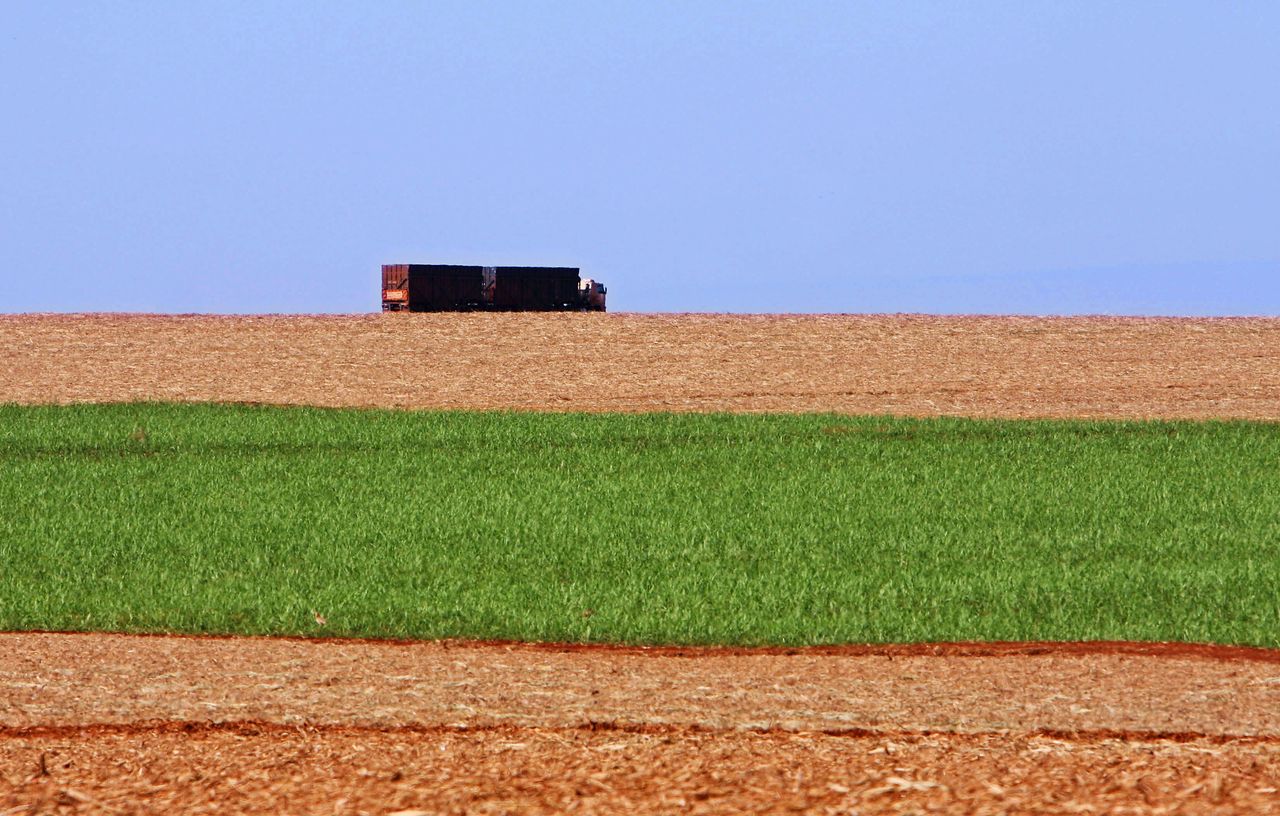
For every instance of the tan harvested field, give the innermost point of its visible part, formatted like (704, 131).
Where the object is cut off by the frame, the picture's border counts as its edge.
(915, 365)
(112, 723)
(126, 724)
(258, 768)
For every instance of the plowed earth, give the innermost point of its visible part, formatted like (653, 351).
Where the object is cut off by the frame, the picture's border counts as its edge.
(999, 367)
(114, 723)
(120, 724)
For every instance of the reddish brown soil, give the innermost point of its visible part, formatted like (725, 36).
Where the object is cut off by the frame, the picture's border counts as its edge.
(1008, 367)
(52, 679)
(673, 770)
(158, 724)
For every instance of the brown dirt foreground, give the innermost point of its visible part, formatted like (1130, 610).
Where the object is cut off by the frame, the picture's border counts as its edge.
(889, 364)
(126, 724)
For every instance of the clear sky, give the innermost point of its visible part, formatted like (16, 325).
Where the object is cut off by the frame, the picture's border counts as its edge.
(1019, 157)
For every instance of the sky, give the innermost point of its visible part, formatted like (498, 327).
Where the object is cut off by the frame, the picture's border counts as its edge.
(980, 157)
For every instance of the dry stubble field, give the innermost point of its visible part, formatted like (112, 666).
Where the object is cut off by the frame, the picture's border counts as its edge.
(153, 724)
(913, 365)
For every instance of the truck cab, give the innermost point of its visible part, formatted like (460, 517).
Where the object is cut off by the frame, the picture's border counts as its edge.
(592, 293)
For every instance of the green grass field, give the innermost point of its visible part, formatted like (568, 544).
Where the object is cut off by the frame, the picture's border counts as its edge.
(641, 528)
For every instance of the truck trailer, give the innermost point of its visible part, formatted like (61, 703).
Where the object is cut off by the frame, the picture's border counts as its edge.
(453, 288)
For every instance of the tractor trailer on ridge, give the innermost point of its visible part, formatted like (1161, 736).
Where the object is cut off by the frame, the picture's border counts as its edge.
(452, 288)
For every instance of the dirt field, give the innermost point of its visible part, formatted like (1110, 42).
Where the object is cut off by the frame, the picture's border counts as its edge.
(115, 724)
(109, 723)
(1010, 367)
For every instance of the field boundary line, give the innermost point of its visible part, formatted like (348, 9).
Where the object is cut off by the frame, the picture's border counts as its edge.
(254, 728)
(999, 648)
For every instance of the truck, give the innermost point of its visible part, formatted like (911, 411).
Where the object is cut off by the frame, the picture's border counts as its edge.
(457, 288)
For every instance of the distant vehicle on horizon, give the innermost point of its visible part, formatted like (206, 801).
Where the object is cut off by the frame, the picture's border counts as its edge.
(454, 288)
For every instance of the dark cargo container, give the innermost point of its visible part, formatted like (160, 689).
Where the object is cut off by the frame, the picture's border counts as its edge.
(450, 288)
(395, 287)
(432, 287)
(535, 287)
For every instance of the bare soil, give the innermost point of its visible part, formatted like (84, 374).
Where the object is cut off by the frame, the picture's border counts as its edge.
(117, 723)
(252, 769)
(910, 365)
(75, 679)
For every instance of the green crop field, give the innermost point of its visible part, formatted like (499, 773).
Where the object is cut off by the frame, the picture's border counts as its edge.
(636, 528)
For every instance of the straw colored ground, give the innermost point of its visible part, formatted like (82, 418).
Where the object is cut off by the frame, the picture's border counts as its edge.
(161, 725)
(998, 367)
(114, 724)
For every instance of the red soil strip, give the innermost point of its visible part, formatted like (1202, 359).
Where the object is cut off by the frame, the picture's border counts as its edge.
(964, 648)
(74, 680)
(541, 770)
(258, 728)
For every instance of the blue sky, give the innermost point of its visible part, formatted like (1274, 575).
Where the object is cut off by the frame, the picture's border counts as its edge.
(1020, 157)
